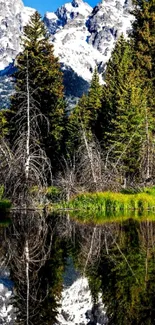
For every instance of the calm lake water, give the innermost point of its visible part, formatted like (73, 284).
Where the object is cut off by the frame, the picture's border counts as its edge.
(117, 257)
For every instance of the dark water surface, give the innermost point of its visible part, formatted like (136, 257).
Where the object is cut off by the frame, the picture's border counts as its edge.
(117, 257)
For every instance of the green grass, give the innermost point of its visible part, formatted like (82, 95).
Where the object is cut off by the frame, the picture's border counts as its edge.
(112, 202)
(5, 206)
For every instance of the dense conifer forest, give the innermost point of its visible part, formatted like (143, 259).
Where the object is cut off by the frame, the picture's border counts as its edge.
(95, 162)
(106, 142)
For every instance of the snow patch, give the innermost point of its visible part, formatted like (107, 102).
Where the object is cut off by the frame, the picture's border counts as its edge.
(26, 14)
(6, 309)
(76, 305)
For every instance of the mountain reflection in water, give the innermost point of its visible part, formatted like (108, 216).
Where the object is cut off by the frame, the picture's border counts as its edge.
(118, 258)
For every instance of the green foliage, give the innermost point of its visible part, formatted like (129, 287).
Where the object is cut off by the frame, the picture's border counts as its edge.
(143, 41)
(144, 38)
(116, 73)
(80, 117)
(120, 113)
(150, 190)
(125, 124)
(112, 202)
(129, 135)
(1, 191)
(45, 83)
(53, 194)
(131, 190)
(3, 123)
(94, 99)
(5, 206)
(84, 115)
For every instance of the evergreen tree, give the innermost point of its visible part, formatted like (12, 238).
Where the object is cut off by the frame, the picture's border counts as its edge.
(94, 99)
(45, 84)
(129, 138)
(75, 121)
(117, 69)
(143, 36)
(84, 115)
(86, 111)
(143, 41)
(124, 122)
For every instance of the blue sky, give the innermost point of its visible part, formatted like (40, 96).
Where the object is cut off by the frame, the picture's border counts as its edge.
(50, 5)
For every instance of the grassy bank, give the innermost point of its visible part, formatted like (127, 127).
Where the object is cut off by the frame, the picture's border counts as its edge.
(112, 202)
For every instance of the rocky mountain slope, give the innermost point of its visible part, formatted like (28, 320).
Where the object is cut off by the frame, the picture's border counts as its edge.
(83, 37)
(13, 16)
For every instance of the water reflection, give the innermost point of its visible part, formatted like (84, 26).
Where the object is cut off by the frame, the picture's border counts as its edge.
(118, 259)
(32, 252)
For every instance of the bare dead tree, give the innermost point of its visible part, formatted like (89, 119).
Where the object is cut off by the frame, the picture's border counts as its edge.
(83, 171)
(67, 178)
(90, 169)
(90, 162)
(26, 164)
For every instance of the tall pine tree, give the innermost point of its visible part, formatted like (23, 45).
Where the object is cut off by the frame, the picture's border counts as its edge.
(94, 99)
(143, 36)
(117, 69)
(124, 122)
(84, 114)
(143, 41)
(45, 84)
(130, 138)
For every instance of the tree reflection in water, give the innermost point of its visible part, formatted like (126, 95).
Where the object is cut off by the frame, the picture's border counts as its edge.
(117, 257)
(122, 267)
(36, 261)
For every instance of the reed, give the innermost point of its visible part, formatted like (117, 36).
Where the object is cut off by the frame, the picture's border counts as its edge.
(112, 202)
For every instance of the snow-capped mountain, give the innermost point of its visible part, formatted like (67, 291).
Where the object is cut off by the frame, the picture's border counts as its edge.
(66, 13)
(13, 16)
(83, 37)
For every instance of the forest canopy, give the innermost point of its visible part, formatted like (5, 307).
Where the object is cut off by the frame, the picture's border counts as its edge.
(105, 142)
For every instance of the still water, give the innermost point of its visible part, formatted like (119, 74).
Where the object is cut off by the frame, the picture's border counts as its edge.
(117, 257)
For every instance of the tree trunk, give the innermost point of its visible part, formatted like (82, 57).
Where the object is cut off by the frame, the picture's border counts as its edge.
(27, 164)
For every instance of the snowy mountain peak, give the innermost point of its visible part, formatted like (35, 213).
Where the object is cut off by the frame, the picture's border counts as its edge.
(13, 16)
(76, 3)
(83, 37)
(66, 13)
